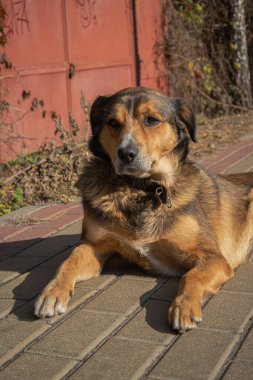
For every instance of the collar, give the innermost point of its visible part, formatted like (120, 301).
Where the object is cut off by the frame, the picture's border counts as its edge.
(149, 186)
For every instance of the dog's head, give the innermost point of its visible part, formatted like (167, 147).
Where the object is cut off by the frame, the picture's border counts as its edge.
(138, 128)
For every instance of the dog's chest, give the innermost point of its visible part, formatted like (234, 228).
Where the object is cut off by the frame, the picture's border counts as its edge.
(134, 214)
(158, 260)
(156, 253)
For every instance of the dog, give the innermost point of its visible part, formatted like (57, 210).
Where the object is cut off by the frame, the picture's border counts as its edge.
(143, 198)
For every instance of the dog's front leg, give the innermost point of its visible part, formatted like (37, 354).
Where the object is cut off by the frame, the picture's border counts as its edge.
(206, 278)
(85, 262)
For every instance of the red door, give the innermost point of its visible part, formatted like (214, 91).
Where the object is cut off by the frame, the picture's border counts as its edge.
(98, 42)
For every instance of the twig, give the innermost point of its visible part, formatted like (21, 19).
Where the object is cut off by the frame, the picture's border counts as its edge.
(7, 76)
(23, 171)
(18, 118)
(223, 104)
(10, 179)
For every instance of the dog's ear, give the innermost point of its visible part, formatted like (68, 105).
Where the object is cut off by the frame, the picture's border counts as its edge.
(97, 114)
(97, 149)
(186, 116)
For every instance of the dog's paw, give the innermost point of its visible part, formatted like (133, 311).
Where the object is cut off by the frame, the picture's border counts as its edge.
(184, 314)
(52, 301)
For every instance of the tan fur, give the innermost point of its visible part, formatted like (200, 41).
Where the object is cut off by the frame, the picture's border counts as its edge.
(204, 236)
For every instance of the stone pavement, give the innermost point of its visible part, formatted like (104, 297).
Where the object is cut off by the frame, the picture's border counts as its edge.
(116, 324)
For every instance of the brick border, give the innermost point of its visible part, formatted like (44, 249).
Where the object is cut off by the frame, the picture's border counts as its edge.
(39, 224)
(227, 157)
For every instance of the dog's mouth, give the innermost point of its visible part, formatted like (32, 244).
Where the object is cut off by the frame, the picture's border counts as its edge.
(132, 172)
(139, 170)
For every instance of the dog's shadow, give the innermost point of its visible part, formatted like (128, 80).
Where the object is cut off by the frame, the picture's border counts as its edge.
(25, 288)
(156, 304)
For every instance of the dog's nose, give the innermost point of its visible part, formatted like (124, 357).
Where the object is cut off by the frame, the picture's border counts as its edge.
(128, 154)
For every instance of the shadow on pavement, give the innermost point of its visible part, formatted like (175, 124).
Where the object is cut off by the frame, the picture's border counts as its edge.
(36, 271)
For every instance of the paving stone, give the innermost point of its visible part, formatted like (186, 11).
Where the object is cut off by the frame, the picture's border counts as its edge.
(30, 234)
(73, 229)
(8, 230)
(7, 306)
(196, 354)
(2, 352)
(244, 165)
(18, 244)
(51, 246)
(15, 216)
(225, 152)
(30, 366)
(59, 223)
(246, 350)
(242, 281)
(13, 266)
(53, 210)
(122, 295)
(21, 327)
(117, 359)
(231, 160)
(25, 313)
(228, 311)
(134, 272)
(78, 210)
(12, 333)
(239, 371)
(168, 291)
(6, 252)
(97, 282)
(27, 285)
(150, 324)
(80, 296)
(75, 334)
(55, 262)
(31, 284)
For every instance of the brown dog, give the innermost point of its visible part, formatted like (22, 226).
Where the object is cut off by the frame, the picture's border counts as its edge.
(145, 200)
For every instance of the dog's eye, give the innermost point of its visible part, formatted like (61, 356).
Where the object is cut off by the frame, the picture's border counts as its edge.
(151, 121)
(114, 124)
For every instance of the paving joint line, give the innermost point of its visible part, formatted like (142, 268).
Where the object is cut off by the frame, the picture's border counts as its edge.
(54, 214)
(146, 341)
(162, 354)
(122, 322)
(162, 299)
(35, 266)
(235, 349)
(148, 364)
(125, 319)
(169, 346)
(241, 360)
(156, 377)
(55, 324)
(236, 162)
(50, 327)
(15, 233)
(236, 292)
(216, 158)
(59, 356)
(52, 234)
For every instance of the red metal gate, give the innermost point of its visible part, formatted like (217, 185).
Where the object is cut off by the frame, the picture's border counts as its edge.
(104, 45)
